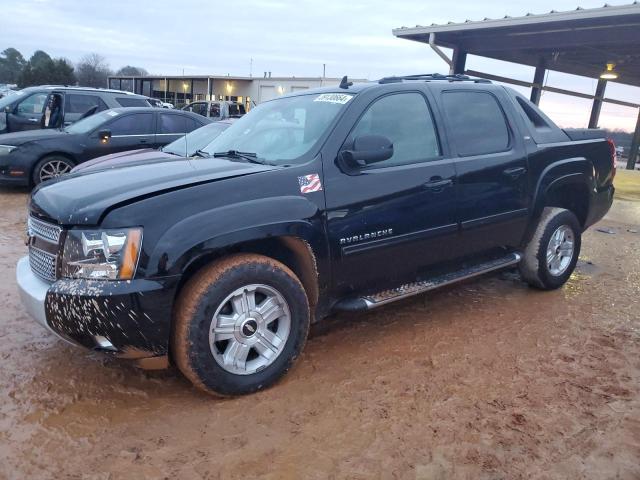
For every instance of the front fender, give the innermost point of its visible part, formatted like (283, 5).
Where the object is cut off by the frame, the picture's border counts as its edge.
(31, 153)
(221, 227)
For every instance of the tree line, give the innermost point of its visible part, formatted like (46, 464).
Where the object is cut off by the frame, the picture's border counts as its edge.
(91, 70)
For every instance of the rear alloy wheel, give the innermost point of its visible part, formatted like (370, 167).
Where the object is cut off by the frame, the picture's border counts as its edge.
(51, 167)
(552, 253)
(239, 324)
(560, 250)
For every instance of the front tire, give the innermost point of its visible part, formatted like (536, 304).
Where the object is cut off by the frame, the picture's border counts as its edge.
(551, 255)
(240, 323)
(51, 167)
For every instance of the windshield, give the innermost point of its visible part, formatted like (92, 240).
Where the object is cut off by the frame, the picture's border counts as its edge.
(10, 97)
(282, 130)
(187, 145)
(87, 124)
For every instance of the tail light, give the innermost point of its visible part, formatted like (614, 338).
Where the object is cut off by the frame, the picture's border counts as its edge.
(612, 148)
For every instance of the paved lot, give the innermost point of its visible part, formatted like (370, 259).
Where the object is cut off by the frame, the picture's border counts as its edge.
(487, 379)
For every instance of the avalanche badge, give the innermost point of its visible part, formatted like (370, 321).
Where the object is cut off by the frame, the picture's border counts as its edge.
(310, 183)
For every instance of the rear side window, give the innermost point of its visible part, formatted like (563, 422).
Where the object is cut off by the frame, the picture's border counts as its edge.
(192, 124)
(405, 119)
(136, 124)
(532, 113)
(476, 122)
(132, 102)
(173, 124)
(76, 103)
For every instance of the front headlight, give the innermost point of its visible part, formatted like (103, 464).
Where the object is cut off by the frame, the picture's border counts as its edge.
(101, 254)
(7, 149)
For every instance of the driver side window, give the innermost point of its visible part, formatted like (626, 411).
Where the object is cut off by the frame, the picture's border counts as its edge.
(214, 111)
(32, 105)
(405, 119)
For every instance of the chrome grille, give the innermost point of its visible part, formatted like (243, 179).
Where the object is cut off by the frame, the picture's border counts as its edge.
(44, 239)
(42, 263)
(46, 231)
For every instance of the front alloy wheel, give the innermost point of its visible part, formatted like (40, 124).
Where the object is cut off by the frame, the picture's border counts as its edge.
(51, 167)
(240, 323)
(250, 329)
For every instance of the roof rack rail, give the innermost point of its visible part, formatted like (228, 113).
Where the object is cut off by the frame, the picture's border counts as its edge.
(427, 77)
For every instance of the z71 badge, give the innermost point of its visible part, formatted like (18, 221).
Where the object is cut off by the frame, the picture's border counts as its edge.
(366, 236)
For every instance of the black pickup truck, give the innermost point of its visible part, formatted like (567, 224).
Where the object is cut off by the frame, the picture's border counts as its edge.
(336, 199)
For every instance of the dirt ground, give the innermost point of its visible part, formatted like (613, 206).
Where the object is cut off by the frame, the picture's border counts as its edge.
(484, 380)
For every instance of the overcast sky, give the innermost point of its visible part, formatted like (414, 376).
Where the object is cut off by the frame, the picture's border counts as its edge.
(288, 38)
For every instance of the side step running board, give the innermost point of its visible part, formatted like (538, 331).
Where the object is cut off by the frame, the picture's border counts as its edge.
(409, 289)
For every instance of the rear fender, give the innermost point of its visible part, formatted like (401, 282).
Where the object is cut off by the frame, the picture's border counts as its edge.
(571, 172)
(558, 174)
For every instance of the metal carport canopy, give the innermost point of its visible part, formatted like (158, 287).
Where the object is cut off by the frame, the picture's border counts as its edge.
(580, 42)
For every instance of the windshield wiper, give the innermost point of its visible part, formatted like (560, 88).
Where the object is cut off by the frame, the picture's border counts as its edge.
(248, 156)
(201, 153)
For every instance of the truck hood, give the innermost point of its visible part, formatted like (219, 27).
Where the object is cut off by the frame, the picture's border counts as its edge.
(83, 198)
(19, 138)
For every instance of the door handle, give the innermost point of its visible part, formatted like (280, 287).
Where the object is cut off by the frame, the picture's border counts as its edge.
(438, 184)
(34, 120)
(143, 140)
(514, 172)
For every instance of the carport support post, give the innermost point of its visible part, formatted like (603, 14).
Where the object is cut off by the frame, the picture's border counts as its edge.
(458, 62)
(538, 80)
(597, 104)
(633, 153)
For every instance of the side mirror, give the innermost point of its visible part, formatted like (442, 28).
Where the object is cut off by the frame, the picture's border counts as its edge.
(7, 109)
(104, 135)
(368, 149)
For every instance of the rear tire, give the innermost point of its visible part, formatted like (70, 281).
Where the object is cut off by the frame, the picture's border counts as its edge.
(551, 255)
(240, 323)
(50, 167)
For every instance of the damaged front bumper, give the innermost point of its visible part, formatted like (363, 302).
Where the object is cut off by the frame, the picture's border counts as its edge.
(33, 292)
(128, 319)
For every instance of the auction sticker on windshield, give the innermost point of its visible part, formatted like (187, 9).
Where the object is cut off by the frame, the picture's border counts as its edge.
(340, 98)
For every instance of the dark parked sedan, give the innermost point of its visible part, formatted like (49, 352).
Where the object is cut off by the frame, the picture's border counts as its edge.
(28, 158)
(187, 146)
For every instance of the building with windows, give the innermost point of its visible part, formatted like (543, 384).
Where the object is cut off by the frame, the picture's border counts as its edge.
(180, 90)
